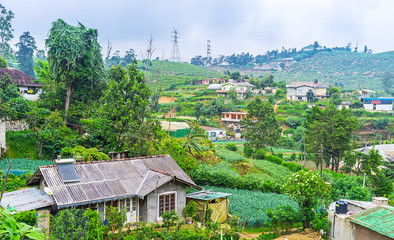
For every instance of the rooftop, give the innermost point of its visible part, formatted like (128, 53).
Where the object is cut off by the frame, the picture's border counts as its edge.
(308, 84)
(19, 77)
(173, 126)
(207, 195)
(26, 199)
(385, 150)
(379, 219)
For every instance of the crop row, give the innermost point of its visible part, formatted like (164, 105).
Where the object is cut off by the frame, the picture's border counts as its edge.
(24, 164)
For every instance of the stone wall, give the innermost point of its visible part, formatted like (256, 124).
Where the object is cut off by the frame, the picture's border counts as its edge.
(9, 126)
(3, 145)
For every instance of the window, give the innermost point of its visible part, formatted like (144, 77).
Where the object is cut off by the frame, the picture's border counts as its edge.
(166, 203)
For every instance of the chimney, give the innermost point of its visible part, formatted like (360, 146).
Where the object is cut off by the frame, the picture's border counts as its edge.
(380, 201)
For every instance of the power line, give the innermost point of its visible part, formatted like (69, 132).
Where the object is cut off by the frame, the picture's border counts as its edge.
(175, 53)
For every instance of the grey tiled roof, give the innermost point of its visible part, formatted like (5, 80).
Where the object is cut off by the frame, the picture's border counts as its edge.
(113, 179)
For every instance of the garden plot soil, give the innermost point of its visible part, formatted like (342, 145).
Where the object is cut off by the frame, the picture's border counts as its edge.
(166, 100)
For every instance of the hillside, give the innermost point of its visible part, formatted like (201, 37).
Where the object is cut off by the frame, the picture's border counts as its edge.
(353, 70)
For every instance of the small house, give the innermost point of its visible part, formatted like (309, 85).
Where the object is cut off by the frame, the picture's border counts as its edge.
(232, 120)
(214, 133)
(378, 104)
(175, 129)
(26, 84)
(144, 187)
(216, 201)
(345, 105)
(239, 87)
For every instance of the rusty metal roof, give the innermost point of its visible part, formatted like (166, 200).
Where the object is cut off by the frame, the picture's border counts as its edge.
(19, 77)
(379, 219)
(113, 179)
(26, 199)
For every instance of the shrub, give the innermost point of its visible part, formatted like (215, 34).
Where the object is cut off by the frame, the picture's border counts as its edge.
(229, 156)
(248, 151)
(190, 210)
(292, 166)
(260, 154)
(232, 147)
(293, 156)
(28, 217)
(274, 159)
(3, 63)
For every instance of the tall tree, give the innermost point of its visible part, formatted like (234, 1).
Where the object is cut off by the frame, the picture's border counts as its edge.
(5, 29)
(387, 82)
(330, 131)
(262, 127)
(26, 46)
(75, 59)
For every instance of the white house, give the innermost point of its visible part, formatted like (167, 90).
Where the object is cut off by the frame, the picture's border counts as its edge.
(378, 104)
(239, 87)
(298, 90)
(215, 133)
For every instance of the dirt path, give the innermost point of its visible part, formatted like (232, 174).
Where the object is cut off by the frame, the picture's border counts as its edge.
(276, 104)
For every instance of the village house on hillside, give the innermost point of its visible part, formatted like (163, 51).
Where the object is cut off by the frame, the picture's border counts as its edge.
(145, 187)
(239, 87)
(207, 81)
(298, 90)
(26, 84)
(378, 104)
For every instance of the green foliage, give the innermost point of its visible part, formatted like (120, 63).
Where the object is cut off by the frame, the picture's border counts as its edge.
(3, 63)
(24, 55)
(257, 204)
(320, 221)
(169, 219)
(86, 154)
(229, 155)
(277, 172)
(261, 125)
(231, 146)
(260, 154)
(5, 29)
(381, 123)
(28, 217)
(11, 228)
(116, 220)
(14, 182)
(282, 218)
(274, 159)
(190, 209)
(359, 193)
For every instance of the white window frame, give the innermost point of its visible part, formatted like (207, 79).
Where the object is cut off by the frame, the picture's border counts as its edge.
(158, 203)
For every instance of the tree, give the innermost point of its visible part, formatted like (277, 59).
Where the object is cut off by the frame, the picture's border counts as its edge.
(198, 110)
(24, 55)
(331, 130)
(387, 81)
(124, 109)
(3, 63)
(129, 57)
(235, 75)
(261, 125)
(309, 95)
(307, 189)
(75, 59)
(5, 29)
(232, 94)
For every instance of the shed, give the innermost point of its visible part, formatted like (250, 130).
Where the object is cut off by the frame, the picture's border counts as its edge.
(26, 200)
(175, 129)
(217, 201)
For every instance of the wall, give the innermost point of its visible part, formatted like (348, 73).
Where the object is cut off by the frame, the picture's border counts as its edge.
(150, 205)
(341, 228)
(321, 92)
(3, 145)
(44, 219)
(9, 126)
(363, 233)
(379, 107)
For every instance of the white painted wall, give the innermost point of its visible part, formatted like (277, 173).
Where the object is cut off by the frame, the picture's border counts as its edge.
(2, 135)
(379, 107)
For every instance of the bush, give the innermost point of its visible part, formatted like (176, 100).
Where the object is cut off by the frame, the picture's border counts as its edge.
(274, 159)
(232, 147)
(28, 217)
(3, 63)
(190, 210)
(293, 156)
(248, 151)
(292, 166)
(260, 154)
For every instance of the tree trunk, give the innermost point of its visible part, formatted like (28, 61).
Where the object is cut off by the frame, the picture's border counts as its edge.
(39, 148)
(68, 99)
(321, 169)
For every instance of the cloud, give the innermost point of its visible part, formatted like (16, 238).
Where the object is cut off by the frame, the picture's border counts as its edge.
(253, 26)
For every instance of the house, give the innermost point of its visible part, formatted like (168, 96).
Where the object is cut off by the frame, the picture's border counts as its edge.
(239, 87)
(298, 90)
(365, 93)
(214, 133)
(232, 120)
(175, 129)
(344, 214)
(217, 201)
(345, 104)
(144, 187)
(26, 84)
(207, 81)
(378, 104)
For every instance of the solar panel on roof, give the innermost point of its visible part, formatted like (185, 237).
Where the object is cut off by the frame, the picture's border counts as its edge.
(67, 172)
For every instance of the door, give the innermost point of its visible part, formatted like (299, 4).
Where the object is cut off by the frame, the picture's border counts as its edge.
(131, 209)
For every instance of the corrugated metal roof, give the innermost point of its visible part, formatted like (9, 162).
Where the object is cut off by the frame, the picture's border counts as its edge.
(385, 150)
(26, 199)
(173, 126)
(379, 219)
(19, 77)
(207, 195)
(113, 179)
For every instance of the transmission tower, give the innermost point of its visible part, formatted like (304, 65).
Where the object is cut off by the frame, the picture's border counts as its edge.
(209, 57)
(175, 54)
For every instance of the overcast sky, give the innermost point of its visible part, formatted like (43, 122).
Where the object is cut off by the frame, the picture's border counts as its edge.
(233, 26)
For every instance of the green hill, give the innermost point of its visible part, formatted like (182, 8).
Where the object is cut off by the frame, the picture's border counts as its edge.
(353, 70)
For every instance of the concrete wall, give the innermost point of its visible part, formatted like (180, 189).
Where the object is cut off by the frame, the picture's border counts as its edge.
(379, 107)
(43, 221)
(3, 145)
(150, 205)
(16, 125)
(341, 227)
(363, 233)
(321, 91)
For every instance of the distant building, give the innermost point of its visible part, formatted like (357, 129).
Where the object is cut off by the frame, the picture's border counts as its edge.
(214, 133)
(298, 90)
(26, 84)
(365, 93)
(378, 104)
(385, 150)
(207, 81)
(239, 87)
(232, 120)
(288, 60)
(344, 105)
(175, 129)
(215, 86)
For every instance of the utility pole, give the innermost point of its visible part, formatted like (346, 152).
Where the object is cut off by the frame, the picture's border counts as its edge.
(209, 57)
(175, 54)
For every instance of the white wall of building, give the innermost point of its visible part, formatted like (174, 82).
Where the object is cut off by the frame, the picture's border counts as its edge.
(379, 107)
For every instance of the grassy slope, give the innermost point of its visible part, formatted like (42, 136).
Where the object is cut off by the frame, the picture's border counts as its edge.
(354, 70)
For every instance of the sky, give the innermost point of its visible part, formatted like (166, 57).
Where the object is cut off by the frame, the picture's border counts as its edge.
(232, 26)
